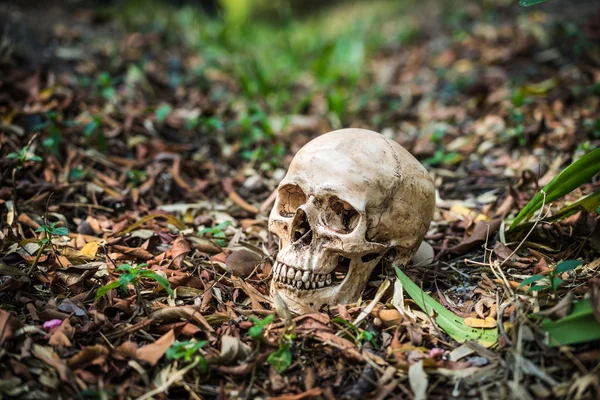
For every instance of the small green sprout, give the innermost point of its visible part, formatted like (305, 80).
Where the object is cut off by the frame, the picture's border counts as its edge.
(256, 330)
(51, 230)
(133, 275)
(162, 112)
(553, 276)
(188, 351)
(361, 334)
(217, 232)
(281, 358)
(23, 156)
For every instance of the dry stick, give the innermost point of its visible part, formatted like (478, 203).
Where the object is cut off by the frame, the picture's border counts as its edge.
(538, 219)
(174, 378)
(367, 310)
(46, 236)
(14, 193)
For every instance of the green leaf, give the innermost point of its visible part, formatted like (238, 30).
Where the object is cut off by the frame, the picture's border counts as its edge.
(62, 231)
(537, 288)
(162, 281)
(91, 127)
(588, 203)
(532, 279)
(579, 326)
(527, 3)
(568, 180)
(556, 282)
(106, 288)
(124, 268)
(184, 350)
(109, 93)
(342, 321)
(567, 265)
(35, 158)
(281, 359)
(369, 336)
(162, 112)
(255, 331)
(13, 155)
(126, 279)
(451, 323)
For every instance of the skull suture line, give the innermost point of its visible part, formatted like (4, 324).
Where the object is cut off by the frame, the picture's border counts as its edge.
(349, 197)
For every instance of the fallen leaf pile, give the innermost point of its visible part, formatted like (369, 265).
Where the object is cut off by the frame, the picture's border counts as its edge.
(140, 151)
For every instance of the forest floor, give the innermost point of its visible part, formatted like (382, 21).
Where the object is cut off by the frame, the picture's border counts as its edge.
(140, 151)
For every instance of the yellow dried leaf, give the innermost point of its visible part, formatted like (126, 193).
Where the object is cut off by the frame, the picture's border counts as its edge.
(90, 249)
(488, 322)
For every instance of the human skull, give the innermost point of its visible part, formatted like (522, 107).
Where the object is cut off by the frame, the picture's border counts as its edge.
(349, 197)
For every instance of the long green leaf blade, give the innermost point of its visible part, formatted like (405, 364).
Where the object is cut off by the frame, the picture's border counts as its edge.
(579, 326)
(451, 323)
(568, 180)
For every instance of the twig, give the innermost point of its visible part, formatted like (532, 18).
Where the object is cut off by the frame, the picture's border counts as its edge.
(172, 379)
(537, 220)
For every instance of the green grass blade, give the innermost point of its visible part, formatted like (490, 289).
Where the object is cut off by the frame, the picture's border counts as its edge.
(527, 3)
(579, 326)
(451, 323)
(568, 180)
(106, 288)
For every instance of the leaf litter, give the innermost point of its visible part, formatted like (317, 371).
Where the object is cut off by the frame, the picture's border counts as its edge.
(139, 164)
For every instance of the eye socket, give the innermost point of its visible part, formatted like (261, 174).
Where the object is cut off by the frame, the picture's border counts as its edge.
(341, 216)
(290, 198)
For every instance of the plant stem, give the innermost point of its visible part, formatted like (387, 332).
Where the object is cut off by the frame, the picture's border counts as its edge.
(141, 301)
(37, 258)
(14, 193)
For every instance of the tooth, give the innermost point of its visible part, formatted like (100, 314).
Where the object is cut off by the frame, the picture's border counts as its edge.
(291, 273)
(298, 284)
(298, 276)
(306, 285)
(313, 285)
(287, 281)
(277, 266)
(283, 271)
(321, 284)
(328, 280)
(305, 276)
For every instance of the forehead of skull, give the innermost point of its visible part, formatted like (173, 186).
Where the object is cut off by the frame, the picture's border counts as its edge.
(356, 165)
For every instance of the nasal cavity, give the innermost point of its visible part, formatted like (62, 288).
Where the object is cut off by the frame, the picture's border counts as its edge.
(301, 230)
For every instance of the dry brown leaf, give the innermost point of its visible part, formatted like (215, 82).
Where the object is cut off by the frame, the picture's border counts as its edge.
(348, 348)
(483, 230)
(136, 252)
(242, 262)
(255, 296)
(314, 392)
(153, 352)
(8, 324)
(180, 249)
(62, 335)
(168, 314)
(87, 355)
(47, 355)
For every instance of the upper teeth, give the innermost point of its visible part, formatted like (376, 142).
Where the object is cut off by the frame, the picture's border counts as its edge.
(296, 278)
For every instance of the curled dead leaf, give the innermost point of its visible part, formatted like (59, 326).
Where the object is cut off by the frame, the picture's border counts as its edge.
(487, 322)
(153, 352)
(180, 249)
(242, 262)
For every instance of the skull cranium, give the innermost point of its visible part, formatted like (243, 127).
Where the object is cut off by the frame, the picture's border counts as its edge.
(349, 197)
